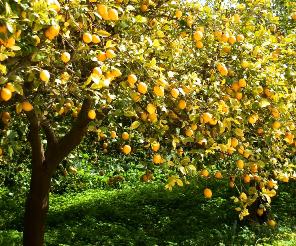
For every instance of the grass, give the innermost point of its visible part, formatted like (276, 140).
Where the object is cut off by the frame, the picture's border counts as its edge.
(148, 215)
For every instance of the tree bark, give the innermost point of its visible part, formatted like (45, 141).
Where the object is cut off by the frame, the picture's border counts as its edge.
(44, 164)
(36, 209)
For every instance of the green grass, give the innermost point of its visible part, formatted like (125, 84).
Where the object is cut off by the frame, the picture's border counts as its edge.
(148, 215)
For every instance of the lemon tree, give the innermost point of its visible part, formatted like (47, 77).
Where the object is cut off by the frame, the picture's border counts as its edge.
(203, 89)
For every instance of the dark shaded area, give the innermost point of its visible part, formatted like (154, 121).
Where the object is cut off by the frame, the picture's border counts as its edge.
(149, 215)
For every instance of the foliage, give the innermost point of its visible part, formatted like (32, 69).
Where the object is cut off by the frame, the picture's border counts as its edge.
(189, 87)
(148, 215)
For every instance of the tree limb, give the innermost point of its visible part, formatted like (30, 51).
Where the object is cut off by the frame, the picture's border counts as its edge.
(49, 133)
(35, 140)
(72, 139)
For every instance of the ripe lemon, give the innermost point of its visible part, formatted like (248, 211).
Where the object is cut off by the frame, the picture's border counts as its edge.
(110, 54)
(271, 223)
(242, 83)
(144, 7)
(223, 71)
(10, 87)
(102, 56)
(136, 96)
(260, 131)
(193, 126)
(225, 37)
(157, 159)
(189, 132)
(116, 73)
(245, 64)
(97, 71)
(239, 95)
(205, 173)
(207, 193)
(213, 122)
(197, 36)
(254, 168)
(199, 44)
(91, 114)
(232, 40)
(44, 75)
(234, 142)
(252, 119)
(276, 125)
(144, 116)
(53, 30)
(235, 86)
(113, 14)
(113, 134)
(218, 34)
(6, 94)
(87, 37)
(275, 113)
(178, 14)
(95, 39)
(103, 11)
(126, 149)
(240, 38)
(218, 175)
(155, 146)
(65, 57)
(158, 91)
(240, 164)
(236, 18)
(247, 178)
(26, 106)
(132, 79)
(175, 93)
(182, 104)
(125, 136)
(152, 118)
(260, 211)
(54, 5)
(151, 109)
(243, 196)
(206, 117)
(142, 88)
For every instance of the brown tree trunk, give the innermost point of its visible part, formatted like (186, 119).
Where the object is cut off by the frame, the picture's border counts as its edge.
(44, 165)
(36, 209)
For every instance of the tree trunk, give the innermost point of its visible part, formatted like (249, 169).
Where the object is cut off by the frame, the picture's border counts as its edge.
(44, 165)
(36, 209)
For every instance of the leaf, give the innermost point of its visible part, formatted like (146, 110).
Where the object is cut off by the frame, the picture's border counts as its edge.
(103, 33)
(179, 182)
(3, 69)
(130, 113)
(192, 168)
(239, 132)
(18, 108)
(109, 44)
(3, 57)
(15, 48)
(264, 103)
(135, 125)
(182, 170)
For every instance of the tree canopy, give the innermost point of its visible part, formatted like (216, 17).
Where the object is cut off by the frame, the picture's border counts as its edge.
(196, 87)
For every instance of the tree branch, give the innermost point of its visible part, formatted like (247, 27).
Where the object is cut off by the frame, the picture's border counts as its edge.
(49, 133)
(72, 139)
(35, 140)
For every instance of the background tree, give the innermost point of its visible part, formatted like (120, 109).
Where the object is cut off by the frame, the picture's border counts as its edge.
(197, 88)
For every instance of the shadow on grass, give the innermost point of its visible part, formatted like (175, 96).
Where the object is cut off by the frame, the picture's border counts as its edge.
(149, 215)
